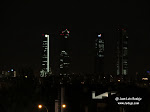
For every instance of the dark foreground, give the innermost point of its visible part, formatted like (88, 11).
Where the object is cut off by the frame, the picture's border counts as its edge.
(24, 95)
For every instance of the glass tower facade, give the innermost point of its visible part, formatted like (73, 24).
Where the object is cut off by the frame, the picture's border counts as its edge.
(45, 56)
(122, 52)
(64, 53)
(99, 55)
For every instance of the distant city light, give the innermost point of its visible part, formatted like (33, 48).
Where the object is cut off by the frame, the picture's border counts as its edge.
(82, 82)
(12, 70)
(124, 30)
(99, 35)
(148, 71)
(144, 78)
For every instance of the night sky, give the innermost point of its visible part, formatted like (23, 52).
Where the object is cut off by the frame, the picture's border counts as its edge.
(23, 23)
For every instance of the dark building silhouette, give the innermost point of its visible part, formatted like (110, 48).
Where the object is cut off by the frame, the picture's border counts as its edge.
(121, 36)
(64, 53)
(99, 56)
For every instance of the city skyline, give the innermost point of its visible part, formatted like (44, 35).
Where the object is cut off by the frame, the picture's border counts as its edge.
(92, 44)
(22, 30)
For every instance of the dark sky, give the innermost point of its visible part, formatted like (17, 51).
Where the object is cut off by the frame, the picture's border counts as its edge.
(23, 22)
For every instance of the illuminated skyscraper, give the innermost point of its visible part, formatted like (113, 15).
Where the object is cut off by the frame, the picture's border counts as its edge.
(99, 57)
(122, 51)
(45, 56)
(64, 55)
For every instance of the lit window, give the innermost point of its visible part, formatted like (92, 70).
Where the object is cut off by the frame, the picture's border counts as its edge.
(66, 63)
(125, 72)
(124, 47)
(61, 60)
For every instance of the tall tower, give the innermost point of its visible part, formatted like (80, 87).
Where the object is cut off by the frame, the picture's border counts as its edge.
(64, 53)
(122, 51)
(45, 56)
(99, 56)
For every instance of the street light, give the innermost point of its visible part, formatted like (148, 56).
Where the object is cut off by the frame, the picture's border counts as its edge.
(64, 106)
(41, 106)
